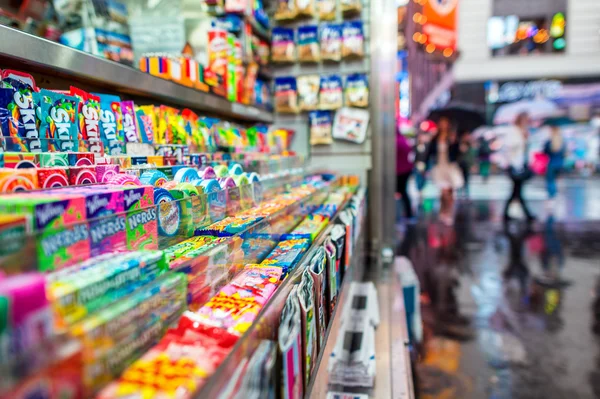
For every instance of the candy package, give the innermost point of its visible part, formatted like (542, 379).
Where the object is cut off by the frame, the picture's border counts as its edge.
(306, 8)
(59, 126)
(308, 92)
(353, 40)
(326, 9)
(350, 6)
(318, 272)
(290, 345)
(331, 42)
(351, 124)
(286, 9)
(330, 95)
(308, 43)
(356, 92)
(18, 120)
(333, 276)
(283, 46)
(306, 300)
(321, 123)
(286, 95)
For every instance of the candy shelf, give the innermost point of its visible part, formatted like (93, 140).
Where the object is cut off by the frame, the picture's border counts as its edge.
(266, 324)
(56, 59)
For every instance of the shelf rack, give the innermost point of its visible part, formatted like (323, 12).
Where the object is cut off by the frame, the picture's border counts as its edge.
(40, 55)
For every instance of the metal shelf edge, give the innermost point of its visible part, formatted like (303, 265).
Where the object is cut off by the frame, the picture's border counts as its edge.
(51, 56)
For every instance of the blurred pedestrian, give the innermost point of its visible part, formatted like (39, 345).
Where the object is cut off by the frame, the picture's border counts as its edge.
(555, 149)
(484, 153)
(516, 139)
(444, 152)
(404, 168)
(465, 160)
(421, 152)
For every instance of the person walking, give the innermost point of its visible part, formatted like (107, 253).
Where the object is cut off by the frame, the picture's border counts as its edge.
(404, 168)
(555, 149)
(465, 160)
(518, 169)
(484, 154)
(444, 152)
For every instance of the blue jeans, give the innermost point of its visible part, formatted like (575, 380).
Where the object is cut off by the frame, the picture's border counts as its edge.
(420, 180)
(551, 175)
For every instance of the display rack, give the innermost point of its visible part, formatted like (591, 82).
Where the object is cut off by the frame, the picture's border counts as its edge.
(52, 58)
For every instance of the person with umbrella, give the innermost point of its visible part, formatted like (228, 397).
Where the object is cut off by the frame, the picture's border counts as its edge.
(444, 151)
(518, 170)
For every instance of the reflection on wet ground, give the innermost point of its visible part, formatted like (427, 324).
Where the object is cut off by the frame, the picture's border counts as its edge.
(510, 311)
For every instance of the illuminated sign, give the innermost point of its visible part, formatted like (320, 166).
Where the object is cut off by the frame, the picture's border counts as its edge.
(515, 91)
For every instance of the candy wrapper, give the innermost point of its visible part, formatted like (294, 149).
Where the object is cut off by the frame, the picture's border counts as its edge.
(318, 273)
(81, 159)
(333, 276)
(60, 119)
(287, 254)
(20, 122)
(15, 180)
(142, 218)
(82, 175)
(52, 177)
(111, 124)
(351, 124)
(309, 228)
(331, 95)
(331, 42)
(356, 92)
(56, 159)
(320, 125)
(22, 160)
(327, 9)
(283, 48)
(88, 122)
(286, 95)
(308, 92)
(131, 128)
(286, 9)
(308, 44)
(147, 122)
(105, 172)
(353, 40)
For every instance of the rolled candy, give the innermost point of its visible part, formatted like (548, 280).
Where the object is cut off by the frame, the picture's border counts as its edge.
(186, 175)
(105, 172)
(123, 179)
(241, 180)
(169, 212)
(210, 185)
(252, 177)
(52, 177)
(188, 188)
(13, 180)
(221, 171)
(235, 169)
(208, 173)
(154, 178)
(227, 182)
(82, 175)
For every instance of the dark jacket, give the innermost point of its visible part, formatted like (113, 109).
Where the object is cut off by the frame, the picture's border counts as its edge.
(453, 151)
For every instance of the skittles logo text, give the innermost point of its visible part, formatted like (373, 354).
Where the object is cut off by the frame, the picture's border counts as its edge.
(27, 112)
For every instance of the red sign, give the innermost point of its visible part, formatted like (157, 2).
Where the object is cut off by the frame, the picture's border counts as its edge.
(440, 23)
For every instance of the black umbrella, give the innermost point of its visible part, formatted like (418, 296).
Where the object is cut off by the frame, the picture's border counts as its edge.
(466, 117)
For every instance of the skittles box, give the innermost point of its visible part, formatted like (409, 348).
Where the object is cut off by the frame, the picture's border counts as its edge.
(142, 217)
(58, 220)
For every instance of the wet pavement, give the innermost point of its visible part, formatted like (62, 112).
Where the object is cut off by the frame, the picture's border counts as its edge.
(509, 310)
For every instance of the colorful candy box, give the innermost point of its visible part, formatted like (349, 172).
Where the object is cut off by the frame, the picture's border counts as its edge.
(142, 217)
(15, 180)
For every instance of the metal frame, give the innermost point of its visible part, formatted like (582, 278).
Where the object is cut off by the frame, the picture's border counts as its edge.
(382, 180)
(33, 53)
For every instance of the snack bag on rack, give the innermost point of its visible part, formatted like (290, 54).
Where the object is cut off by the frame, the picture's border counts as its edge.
(308, 44)
(327, 9)
(318, 272)
(290, 346)
(111, 124)
(59, 121)
(286, 95)
(89, 121)
(333, 276)
(356, 92)
(308, 92)
(306, 8)
(353, 40)
(351, 124)
(283, 47)
(331, 42)
(218, 53)
(306, 300)
(331, 95)
(350, 6)
(286, 9)
(320, 125)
